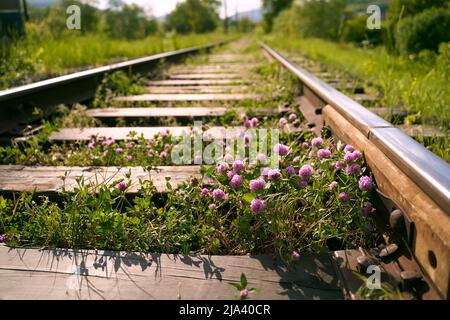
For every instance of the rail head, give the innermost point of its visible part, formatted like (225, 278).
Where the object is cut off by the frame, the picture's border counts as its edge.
(426, 169)
(359, 116)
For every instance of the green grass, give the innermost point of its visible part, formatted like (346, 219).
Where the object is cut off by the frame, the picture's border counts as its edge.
(299, 214)
(38, 57)
(418, 84)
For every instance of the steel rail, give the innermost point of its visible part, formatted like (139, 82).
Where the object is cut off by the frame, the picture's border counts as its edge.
(426, 169)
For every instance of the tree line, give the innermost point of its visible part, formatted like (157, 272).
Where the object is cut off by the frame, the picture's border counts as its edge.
(130, 21)
(408, 26)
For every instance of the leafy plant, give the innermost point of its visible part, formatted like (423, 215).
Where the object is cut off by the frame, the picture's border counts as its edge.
(241, 287)
(320, 193)
(425, 30)
(384, 293)
(75, 117)
(98, 151)
(116, 84)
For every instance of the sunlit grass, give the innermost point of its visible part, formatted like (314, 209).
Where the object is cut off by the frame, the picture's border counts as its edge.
(38, 57)
(92, 50)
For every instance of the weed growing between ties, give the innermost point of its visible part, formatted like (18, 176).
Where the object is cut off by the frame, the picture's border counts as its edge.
(386, 291)
(277, 89)
(317, 199)
(98, 151)
(117, 84)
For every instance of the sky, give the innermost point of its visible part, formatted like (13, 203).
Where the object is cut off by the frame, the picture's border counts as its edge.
(162, 7)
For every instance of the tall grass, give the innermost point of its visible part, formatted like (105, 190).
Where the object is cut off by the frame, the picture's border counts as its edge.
(41, 56)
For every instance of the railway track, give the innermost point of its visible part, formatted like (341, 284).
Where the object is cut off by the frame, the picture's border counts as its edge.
(413, 185)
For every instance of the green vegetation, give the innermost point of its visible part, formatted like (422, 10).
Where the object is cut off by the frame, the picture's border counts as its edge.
(98, 151)
(361, 5)
(272, 9)
(278, 89)
(241, 287)
(386, 292)
(243, 25)
(418, 84)
(117, 84)
(408, 9)
(317, 200)
(197, 16)
(355, 31)
(119, 20)
(118, 33)
(407, 59)
(322, 19)
(412, 25)
(424, 31)
(41, 56)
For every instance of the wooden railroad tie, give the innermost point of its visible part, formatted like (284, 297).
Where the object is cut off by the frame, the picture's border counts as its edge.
(50, 179)
(201, 76)
(197, 89)
(197, 82)
(189, 97)
(177, 112)
(129, 275)
(219, 69)
(123, 133)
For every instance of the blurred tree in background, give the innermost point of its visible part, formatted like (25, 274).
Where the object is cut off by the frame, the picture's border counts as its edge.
(401, 34)
(272, 9)
(245, 24)
(241, 24)
(199, 16)
(355, 30)
(56, 17)
(423, 31)
(318, 18)
(128, 21)
(403, 8)
(120, 20)
(411, 25)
